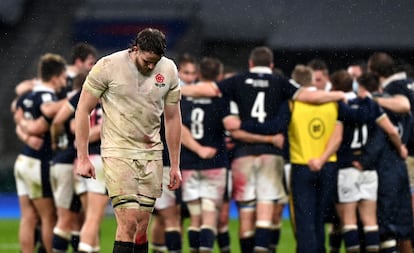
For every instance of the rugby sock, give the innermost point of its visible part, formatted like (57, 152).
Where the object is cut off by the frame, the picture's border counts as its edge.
(60, 241)
(351, 239)
(173, 240)
(223, 240)
(274, 237)
(247, 244)
(74, 242)
(141, 248)
(372, 240)
(158, 248)
(262, 239)
(388, 246)
(335, 239)
(207, 239)
(85, 248)
(194, 239)
(123, 247)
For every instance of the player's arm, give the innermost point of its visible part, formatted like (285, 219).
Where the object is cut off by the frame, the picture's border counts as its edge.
(187, 140)
(32, 141)
(86, 104)
(50, 109)
(200, 90)
(396, 103)
(37, 126)
(57, 127)
(275, 139)
(392, 132)
(318, 96)
(172, 121)
(330, 149)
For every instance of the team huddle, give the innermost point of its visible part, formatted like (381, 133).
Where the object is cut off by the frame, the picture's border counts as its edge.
(153, 136)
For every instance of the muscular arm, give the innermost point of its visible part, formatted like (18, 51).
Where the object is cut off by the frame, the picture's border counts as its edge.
(86, 104)
(331, 147)
(172, 120)
(51, 109)
(396, 103)
(318, 96)
(200, 90)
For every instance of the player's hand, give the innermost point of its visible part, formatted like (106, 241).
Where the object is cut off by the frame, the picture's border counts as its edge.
(206, 152)
(175, 179)
(357, 165)
(315, 164)
(278, 140)
(84, 168)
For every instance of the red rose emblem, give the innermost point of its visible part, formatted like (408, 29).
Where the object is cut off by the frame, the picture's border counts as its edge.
(159, 78)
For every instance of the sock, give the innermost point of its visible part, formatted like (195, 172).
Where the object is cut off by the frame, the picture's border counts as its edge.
(247, 244)
(207, 239)
(193, 239)
(372, 240)
(141, 248)
(74, 242)
(388, 246)
(60, 241)
(85, 248)
(123, 247)
(262, 239)
(223, 240)
(335, 239)
(351, 239)
(173, 240)
(158, 248)
(274, 238)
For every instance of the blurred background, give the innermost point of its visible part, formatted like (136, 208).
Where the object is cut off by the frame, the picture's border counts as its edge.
(337, 31)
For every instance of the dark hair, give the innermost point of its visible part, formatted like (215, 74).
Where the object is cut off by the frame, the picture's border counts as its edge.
(369, 81)
(184, 59)
(210, 68)
(341, 80)
(381, 64)
(318, 64)
(151, 40)
(50, 65)
(81, 51)
(261, 56)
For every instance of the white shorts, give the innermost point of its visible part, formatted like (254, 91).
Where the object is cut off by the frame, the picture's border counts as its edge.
(258, 178)
(168, 197)
(209, 183)
(355, 185)
(32, 177)
(62, 180)
(97, 185)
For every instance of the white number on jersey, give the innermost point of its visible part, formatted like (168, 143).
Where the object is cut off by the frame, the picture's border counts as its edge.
(258, 109)
(360, 137)
(197, 127)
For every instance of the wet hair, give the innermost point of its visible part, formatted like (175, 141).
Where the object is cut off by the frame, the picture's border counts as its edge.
(381, 64)
(81, 51)
(50, 65)
(151, 40)
(369, 81)
(261, 56)
(302, 75)
(341, 80)
(210, 68)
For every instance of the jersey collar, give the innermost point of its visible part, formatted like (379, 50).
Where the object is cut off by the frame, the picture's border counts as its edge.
(261, 70)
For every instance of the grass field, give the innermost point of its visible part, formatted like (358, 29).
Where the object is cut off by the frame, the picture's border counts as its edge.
(9, 242)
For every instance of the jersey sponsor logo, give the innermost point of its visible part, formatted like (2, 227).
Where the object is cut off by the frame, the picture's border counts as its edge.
(316, 128)
(47, 97)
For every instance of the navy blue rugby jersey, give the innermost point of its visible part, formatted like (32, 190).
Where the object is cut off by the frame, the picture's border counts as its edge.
(359, 119)
(204, 118)
(258, 95)
(30, 103)
(95, 119)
